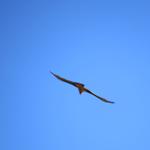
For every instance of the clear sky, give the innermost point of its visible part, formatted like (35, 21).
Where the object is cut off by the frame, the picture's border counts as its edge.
(103, 44)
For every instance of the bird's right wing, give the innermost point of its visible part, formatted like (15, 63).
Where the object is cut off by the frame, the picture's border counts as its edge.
(101, 98)
(63, 79)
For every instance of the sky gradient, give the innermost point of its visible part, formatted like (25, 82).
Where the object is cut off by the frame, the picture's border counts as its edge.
(103, 44)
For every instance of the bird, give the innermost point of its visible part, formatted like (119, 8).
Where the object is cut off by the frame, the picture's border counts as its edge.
(81, 87)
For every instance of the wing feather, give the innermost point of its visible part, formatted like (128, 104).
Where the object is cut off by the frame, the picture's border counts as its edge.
(63, 79)
(101, 98)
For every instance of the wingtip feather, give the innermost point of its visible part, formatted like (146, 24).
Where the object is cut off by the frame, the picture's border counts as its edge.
(51, 72)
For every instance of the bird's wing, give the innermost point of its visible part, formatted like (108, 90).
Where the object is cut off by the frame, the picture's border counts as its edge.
(63, 79)
(101, 98)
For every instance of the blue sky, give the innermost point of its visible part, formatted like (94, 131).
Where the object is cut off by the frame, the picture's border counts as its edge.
(103, 44)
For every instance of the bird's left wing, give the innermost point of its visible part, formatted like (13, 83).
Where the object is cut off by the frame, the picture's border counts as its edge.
(63, 79)
(101, 98)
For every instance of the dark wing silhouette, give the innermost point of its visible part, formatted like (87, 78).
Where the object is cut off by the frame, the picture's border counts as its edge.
(101, 98)
(80, 86)
(63, 79)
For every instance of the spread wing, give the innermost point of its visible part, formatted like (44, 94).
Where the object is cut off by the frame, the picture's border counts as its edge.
(101, 98)
(76, 84)
(63, 79)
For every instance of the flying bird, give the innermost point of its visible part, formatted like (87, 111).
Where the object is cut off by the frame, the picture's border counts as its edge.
(80, 87)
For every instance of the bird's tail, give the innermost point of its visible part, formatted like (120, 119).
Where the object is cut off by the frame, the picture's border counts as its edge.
(81, 90)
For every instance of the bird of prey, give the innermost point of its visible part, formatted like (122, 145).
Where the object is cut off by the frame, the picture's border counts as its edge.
(80, 87)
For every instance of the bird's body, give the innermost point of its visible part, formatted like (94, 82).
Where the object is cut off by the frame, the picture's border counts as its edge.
(80, 87)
